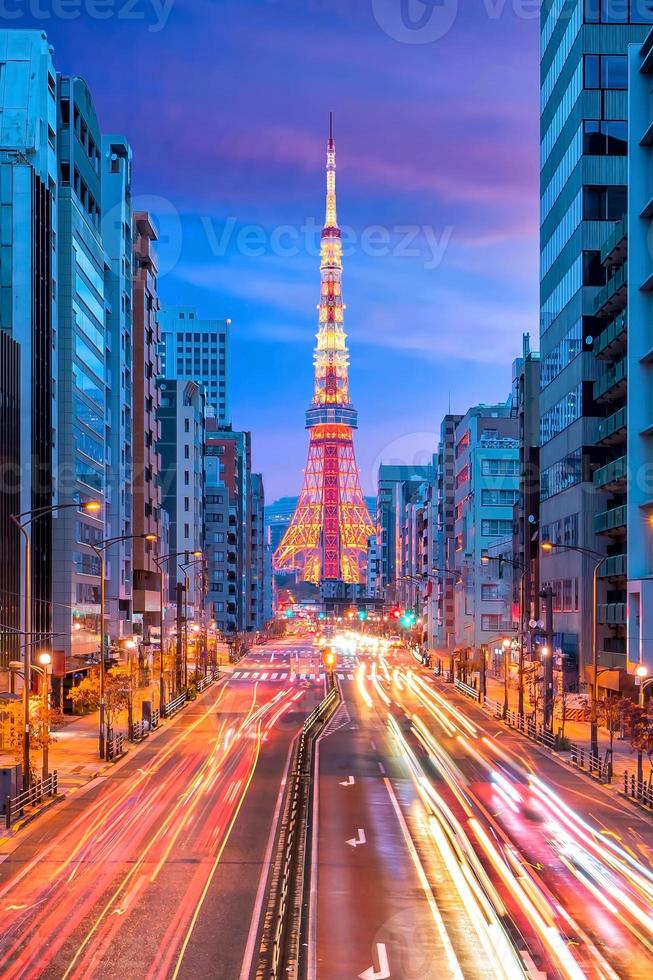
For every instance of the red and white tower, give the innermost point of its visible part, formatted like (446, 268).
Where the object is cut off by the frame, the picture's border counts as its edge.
(327, 537)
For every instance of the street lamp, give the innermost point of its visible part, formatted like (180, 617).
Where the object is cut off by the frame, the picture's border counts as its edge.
(184, 566)
(22, 522)
(485, 560)
(548, 547)
(44, 661)
(159, 562)
(100, 550)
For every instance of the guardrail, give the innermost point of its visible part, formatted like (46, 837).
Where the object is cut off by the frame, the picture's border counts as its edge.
(467, 689)
(139, 732)
(15, 805)
(639, 791)
(115, 746)
(580, 757)
(281, 943)
(172, 707)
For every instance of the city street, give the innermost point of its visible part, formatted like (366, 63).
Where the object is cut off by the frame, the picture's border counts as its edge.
(146, 870)
(449, 846)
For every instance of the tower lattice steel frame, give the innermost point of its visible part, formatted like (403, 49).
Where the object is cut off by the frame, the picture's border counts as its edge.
(327, 537)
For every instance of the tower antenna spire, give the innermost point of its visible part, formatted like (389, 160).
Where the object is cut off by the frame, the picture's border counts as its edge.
(330, 126)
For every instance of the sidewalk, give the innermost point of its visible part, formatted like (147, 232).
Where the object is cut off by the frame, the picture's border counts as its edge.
(624, 758)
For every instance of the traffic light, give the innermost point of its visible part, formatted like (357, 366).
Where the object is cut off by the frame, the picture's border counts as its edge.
(289, 614)
(395, 613)
(408, 619)
(321, 615)
(328, 658)
(362, 615)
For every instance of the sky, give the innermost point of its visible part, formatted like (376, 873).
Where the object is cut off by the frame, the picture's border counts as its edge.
(225, 104)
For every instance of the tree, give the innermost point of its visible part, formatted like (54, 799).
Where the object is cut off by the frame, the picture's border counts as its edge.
(639, 725)
(117, 693)
(41, 721)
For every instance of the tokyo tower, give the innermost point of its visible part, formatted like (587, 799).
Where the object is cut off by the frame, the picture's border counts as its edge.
(327, 537)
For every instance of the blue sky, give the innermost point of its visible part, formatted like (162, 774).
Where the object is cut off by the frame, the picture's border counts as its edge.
(436, 121)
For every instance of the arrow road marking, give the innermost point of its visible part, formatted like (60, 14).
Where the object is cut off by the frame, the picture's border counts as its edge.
(533, 971)
(355, 841)
(349, 781)
(383, 973)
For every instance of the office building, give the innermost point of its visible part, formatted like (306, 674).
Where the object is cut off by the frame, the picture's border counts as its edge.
(28, 281)
(146, 491)
(486, 476)
(443, 635)
(197, 349)
(116, 229)
(584, 126)
(525, 556)
(256, 545)
(394, 485)
(82, 375)
(10, 578)
(181, 417)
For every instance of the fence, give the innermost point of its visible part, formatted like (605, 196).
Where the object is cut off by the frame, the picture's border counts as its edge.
(15, 805)
(172, 707)
(638, 791)
(587, 761)
(467, 689)
(281, 948)
(115, 746)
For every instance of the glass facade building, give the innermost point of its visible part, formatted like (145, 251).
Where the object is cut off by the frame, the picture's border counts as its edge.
(583, 175)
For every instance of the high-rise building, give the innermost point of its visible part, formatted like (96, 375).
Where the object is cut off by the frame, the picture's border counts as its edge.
(10, 579)
(116, 228)
(486, 474)
(146, 491)
(583, 173)
(197, 349)
(526, 513)
(327, 537)
(444, 533)
(235, 542)
(28, 283)
(181, 417)
(82, 374)
(278, 516)
(394, 487)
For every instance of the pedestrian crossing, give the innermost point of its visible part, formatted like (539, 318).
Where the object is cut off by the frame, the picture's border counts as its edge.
(280, 676)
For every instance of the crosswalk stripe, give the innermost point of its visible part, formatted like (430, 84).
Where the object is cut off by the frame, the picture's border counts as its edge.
(245, 675)
(282, 677)
(236, 673)
(274, 676)
(264, 677)
(254, 675)
(350, 677)
(341, 677)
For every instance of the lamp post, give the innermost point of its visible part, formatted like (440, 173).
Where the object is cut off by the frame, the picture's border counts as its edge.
(184, 566)
(100, 550)
(22, 522)
(548, 547)
(159, 562)
(485, 560)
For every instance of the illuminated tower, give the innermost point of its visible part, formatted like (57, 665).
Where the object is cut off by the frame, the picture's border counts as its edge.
(327, 537)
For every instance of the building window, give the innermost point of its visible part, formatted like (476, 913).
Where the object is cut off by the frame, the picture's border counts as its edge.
(499, 498)
(490, 622)
(490, 592)
(500, 467)
(496, 528)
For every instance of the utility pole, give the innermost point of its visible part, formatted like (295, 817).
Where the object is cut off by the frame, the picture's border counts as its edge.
(547, 659)
(179, 590)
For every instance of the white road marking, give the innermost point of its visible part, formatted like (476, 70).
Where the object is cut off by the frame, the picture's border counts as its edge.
(383, 972)
(264, 677)
(357, 841)
(349, 781)
(382, 768)
(274, 676)
(246, 675)
(282, 677)
(454, 965)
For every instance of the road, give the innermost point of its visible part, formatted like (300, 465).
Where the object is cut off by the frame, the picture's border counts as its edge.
(155, 869)
(447, 846)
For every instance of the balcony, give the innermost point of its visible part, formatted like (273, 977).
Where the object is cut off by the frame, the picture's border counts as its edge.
(612, 476)
(612, 298)
(612, 385)
(611, 521)
(612, 613)
(612, 340)
(614, 567)
(613, 429)
(615, 246)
